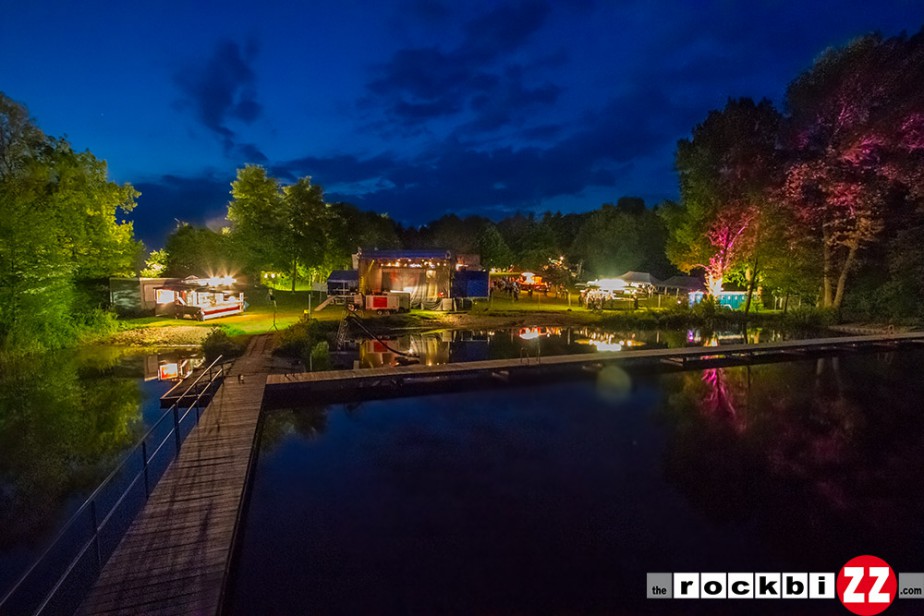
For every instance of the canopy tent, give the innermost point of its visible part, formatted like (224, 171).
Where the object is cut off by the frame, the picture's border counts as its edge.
(343, 282)
(639, 278)
(683, 283)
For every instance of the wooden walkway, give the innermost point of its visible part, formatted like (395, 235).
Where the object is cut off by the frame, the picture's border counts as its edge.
(174, 556)
(291, 386)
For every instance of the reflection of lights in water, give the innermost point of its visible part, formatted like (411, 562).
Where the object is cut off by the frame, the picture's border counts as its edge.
(610, 342)
(531, 333)
(606, 346)
(168, 371)
(613, 384)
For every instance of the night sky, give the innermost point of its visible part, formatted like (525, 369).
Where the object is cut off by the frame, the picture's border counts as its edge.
(413, 108)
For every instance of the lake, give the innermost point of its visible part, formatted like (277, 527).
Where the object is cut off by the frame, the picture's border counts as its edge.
(66, 420)
(560, 498)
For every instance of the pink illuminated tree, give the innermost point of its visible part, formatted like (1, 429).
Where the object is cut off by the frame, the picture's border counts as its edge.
(728, 172)
(855, 140)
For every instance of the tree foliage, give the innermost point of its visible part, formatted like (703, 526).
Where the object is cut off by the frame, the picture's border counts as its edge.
(618, 238)
(198, 251)
(727, 171)
(286, 229)
(60, 224)
(856, 141)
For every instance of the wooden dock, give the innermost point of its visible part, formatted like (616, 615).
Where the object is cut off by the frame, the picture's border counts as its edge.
(174, 557)
(286, 388)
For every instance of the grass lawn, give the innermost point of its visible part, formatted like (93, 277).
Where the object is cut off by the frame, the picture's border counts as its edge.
(262, 317)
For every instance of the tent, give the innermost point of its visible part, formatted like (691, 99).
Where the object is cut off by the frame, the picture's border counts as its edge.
(683, 283)
(639, 278)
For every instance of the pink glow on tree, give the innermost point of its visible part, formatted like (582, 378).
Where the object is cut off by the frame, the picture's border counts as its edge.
(729, 238)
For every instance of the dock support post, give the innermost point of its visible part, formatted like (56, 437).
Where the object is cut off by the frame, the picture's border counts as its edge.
(176, 428)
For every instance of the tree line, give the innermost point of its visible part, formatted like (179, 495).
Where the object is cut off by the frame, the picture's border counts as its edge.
(292, 232)
(825, 193)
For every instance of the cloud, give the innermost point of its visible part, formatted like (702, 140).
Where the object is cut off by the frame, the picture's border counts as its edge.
(503, 29)
(170, 198)
(472, 178)
(473, 81)
(339, 169)
(249, 153)
(222, 91)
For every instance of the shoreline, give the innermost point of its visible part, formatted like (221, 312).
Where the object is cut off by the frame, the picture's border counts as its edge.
(172, 334)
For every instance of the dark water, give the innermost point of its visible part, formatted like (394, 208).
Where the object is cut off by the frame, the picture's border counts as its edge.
(66, 420)
(560, 498)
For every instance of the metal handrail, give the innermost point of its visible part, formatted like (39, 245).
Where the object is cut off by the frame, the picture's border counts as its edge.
(90, 503)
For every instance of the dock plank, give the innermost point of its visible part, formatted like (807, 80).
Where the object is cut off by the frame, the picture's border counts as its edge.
(173, 558)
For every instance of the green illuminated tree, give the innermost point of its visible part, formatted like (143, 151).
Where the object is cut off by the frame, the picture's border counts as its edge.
(617, 238)
(198, 251)
(259, 226)
(728, 172)
(60, 224)
(493, 249)
(287, 229)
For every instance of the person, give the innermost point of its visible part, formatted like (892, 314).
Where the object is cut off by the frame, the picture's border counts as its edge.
(515, 289)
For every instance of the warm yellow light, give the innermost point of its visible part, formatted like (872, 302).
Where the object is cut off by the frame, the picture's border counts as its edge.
(608, 284)
(220, 281)
(606, 346)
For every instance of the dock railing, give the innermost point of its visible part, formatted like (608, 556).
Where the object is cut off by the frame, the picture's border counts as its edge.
(60, 578)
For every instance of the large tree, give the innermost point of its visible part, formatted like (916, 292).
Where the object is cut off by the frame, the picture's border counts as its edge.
(622, 237)
(856, 140)
(494, 251)
(198, 251)
(60, 223)
(728, 172)
(286, 229)
(260, 225)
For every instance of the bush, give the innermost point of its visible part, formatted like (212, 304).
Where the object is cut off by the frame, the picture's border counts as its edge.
(96, 322)
(218, 343)
(319, 358)
(299, 339)
(810, 317)
(706, 309)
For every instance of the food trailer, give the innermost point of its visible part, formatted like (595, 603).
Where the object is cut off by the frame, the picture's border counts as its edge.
(199, 298)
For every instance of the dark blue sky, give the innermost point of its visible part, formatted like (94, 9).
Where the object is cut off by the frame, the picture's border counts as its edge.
(413, 108)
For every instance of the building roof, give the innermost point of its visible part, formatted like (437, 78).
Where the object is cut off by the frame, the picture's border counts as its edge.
(344, 276)
(687, 283)
(432, 253)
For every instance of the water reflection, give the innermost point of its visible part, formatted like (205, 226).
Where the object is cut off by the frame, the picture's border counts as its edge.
(442, 347)
(65, 421)
(819, 458)
(562, 498)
